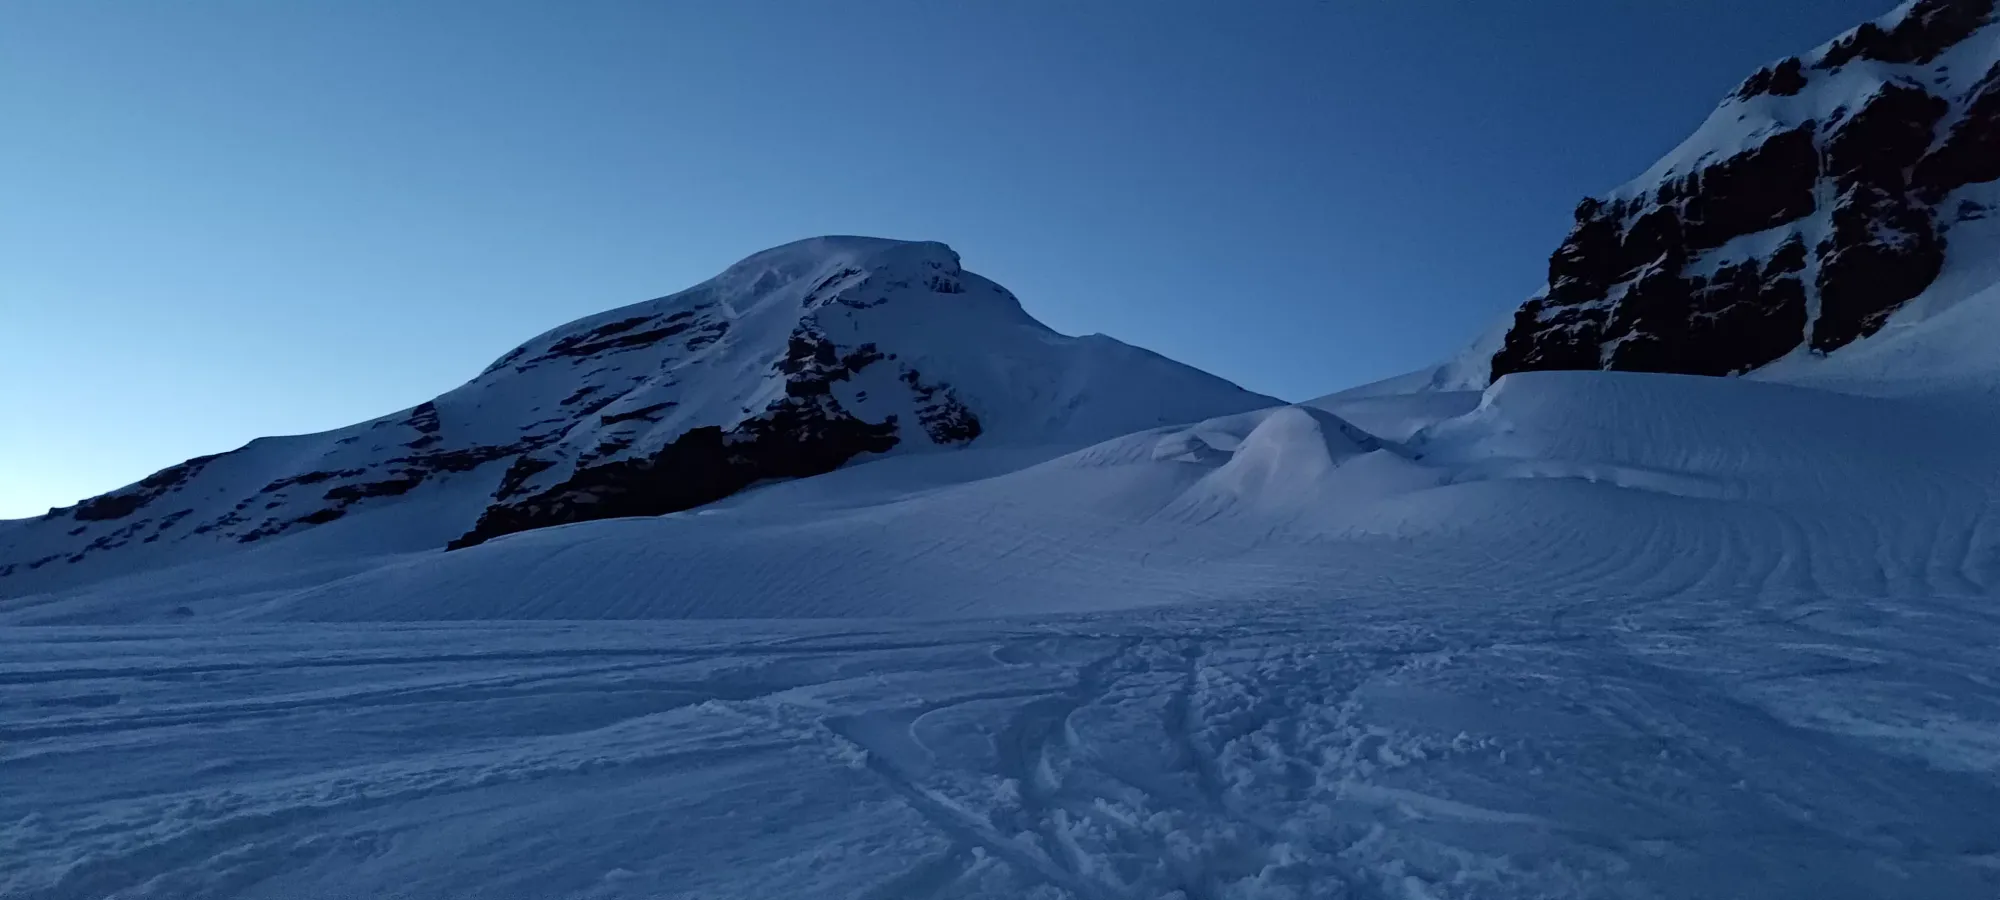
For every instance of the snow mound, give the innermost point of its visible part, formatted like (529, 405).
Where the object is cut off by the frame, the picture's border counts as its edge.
(1297, 462)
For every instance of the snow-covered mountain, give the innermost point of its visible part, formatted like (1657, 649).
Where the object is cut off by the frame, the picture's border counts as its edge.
(1824, 195)
(788, 364)
(1133, 632)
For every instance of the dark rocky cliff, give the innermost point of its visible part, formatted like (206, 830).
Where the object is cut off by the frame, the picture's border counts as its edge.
(1812, 205)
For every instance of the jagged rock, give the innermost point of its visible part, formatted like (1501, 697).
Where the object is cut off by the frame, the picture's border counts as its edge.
(1587, 262)
(122, 503)
(944, 417)
(806, 432)
(1765, 186)
(1878, 144)
(1785, 79)
(1883, 250)
(701, 466)
(1704, 270)
(1925, 31)
(1545, 337)
(1970, 153)
(1655, 239)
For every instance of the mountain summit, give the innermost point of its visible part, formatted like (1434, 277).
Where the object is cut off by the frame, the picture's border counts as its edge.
(788, 364)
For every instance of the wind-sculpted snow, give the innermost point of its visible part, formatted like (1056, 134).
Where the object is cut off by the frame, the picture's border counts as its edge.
(1486, 742)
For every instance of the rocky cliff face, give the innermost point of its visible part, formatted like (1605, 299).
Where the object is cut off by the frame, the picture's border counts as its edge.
(789, 364)
(1818, 198)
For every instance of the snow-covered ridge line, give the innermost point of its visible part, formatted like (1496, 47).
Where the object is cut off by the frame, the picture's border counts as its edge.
(789, 363)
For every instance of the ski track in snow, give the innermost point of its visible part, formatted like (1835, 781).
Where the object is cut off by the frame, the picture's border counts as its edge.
(1359, 748)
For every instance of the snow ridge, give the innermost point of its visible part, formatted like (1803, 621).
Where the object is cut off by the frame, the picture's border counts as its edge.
(789, 363)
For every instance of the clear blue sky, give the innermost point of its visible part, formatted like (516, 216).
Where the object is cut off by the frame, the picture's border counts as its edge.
(220, 220)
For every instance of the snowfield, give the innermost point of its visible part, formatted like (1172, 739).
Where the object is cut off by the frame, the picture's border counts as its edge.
(1478, 745)
(1577, 635)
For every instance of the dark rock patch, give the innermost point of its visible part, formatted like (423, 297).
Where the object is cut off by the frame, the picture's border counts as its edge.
(1970, 152)
(1763, 187)
(643, 412)
(309, 478)
(1785, 79)
(590, 406)
(813, 297)
(119, 504)
(707, 333)
(806, 432)
(388, 487)
(944, 418)
(523, 468)
(1879, 143)
(1930, 28)
(604, 449)
(623, 334)
(702, 466)
(1883, 250)
(424, 418)
(1586, 263)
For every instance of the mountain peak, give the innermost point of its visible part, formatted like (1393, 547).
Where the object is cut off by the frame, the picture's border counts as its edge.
(789, 363)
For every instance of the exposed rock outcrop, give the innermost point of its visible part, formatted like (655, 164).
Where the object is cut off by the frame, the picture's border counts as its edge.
(1803, 214)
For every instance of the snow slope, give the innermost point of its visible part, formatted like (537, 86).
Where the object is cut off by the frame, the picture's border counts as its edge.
(1579, 634)
(789, 363)
(1588, 635)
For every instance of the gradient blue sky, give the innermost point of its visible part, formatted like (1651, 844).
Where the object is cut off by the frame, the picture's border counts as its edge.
(220, 220)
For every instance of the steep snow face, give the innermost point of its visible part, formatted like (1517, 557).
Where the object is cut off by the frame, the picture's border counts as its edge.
(790, 363)
(1819, 197)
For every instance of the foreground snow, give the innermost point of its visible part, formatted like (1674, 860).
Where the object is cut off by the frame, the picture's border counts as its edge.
(1367, 746)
